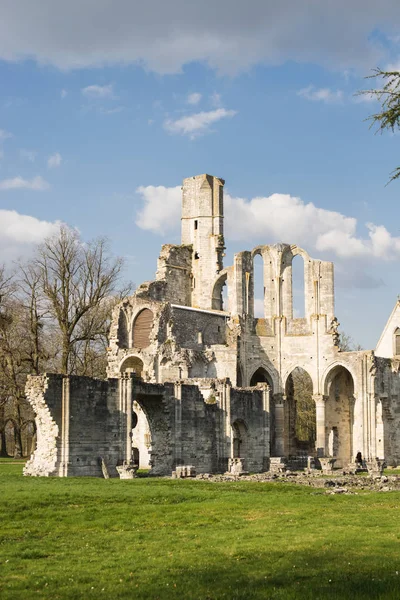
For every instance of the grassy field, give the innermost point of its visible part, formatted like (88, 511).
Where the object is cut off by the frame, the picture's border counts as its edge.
(160, 538)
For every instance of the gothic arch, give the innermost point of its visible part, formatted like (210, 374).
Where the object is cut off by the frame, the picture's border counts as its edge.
(239, 439)
(123, 332)
(262, 375)
(328, 374)
(132, 364)
(343, 440)
(289, 370)
(141, 329)
(301, 412)
(158, 441)
(286, 269)
(217, 300)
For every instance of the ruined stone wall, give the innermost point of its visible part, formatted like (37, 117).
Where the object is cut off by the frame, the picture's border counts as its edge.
(94, 426)
(387, 410)
(78, 424)
(196, 329)
(175, 268)
(45, 394)
(196, 429)
(249, 408)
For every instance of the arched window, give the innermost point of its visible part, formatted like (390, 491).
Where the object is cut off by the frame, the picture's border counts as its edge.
(260, 376)
(220, 294)
(123, 340)
(259, 287)
(298, 288)
(132, 364)
(397, 342)
(302, 412)
(239, 439)
(142, 329)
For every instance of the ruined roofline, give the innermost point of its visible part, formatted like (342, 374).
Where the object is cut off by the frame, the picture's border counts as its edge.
(388, 323)
(222, 181)
(221, 313)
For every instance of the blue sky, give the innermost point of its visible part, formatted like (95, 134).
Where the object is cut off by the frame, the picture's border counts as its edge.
(105, 107)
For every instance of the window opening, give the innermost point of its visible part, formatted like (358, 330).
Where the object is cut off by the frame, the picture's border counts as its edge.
(298, 288)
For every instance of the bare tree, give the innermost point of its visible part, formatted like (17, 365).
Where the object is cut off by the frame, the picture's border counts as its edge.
(347, 344)
(77, 279)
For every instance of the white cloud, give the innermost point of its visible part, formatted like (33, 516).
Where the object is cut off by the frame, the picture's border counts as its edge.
(276, 218)
(20, 233)
(194, 98)
(18, 183)
(321, 94)
(259, 308)
(98, 91)
(161, 209)
(63, 94)
(198, 123)
(54, 160)
(70, 35)
(29, 155)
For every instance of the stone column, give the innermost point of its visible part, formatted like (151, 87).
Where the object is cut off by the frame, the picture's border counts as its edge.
(129, 409)
(266, 392)
(320, 400)
(178, 423)
(373, 453)
(279, 425)
(63, 470)
(352, 402)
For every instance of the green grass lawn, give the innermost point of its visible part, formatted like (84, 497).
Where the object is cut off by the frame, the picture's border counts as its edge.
(160, 538)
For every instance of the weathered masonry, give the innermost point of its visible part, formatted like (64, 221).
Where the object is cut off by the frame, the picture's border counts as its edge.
(196, 378)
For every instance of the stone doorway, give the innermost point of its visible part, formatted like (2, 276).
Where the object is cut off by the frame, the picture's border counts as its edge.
(339, 416)
(301, 414)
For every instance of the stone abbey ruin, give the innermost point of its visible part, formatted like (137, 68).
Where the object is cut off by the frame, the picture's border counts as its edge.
(195, 380)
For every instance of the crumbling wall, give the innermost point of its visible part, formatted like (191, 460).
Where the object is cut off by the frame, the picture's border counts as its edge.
(78, 424)
(196, 329)
(175, 268)
(94, 426)
(249, 407)
(45, 396)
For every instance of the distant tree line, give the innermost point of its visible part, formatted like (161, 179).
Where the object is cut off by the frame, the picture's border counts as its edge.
(55, 315)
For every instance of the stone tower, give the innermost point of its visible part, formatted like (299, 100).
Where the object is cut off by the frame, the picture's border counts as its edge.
(202, 227)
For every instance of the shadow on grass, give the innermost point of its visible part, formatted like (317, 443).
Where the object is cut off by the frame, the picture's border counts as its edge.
(322, 577)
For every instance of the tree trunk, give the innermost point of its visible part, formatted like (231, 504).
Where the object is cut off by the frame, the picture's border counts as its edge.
(18, 443)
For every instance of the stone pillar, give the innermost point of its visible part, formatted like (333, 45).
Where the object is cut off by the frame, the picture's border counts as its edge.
(129, 410)
(228, 428)
(178, 424)
(266, 423)
(279, 425)
(320, 400)
(125, 410)
(373, 452)
(63, 469)
(352, 402)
